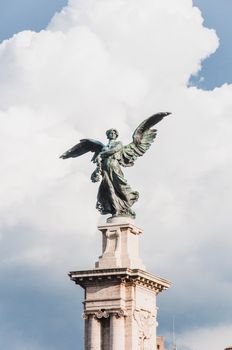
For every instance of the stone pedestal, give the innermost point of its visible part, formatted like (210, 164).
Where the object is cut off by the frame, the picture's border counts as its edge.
(120, 296)
(120, 245)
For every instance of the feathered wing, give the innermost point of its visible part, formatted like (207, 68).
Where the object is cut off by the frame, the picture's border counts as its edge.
(143, 137)
(84, 146)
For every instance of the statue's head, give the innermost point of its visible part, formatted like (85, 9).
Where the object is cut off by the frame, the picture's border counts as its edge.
(112, 134)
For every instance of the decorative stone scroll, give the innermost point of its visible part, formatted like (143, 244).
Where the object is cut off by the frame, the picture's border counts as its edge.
(120, 313)
(99, 314)
(85, 316)
(102, 314)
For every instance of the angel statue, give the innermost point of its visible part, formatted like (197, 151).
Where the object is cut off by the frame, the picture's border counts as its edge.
(115, 196)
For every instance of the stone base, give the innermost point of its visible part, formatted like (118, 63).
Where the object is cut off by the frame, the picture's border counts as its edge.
(120, 245)
(119, 308)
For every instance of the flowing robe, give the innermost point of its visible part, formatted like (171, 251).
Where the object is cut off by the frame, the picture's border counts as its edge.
(115, 196)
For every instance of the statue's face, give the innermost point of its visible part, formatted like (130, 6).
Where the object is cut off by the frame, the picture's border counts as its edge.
(112, 135)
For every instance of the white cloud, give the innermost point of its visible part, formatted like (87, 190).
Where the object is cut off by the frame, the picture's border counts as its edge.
(206, 338)
(112, 63)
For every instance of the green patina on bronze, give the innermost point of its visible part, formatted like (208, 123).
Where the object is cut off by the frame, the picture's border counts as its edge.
(115, 196)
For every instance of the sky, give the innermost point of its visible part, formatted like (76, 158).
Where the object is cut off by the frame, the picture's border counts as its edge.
(73, 72)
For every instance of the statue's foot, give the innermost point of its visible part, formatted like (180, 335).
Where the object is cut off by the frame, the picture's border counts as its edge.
(127, 214)
(121, 219)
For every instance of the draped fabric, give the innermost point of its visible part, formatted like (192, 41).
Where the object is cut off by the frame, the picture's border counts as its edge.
(115, 196)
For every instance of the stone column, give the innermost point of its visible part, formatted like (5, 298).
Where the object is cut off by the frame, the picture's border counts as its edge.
(93, 341)
(86, 320)
(117, 331)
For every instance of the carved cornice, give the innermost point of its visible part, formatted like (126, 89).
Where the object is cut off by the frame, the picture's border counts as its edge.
(119, 275)
(121, 227)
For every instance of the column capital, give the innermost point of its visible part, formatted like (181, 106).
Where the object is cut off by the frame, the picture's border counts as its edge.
(96, 314)
(120, 313)
(99, 314)
(102, 314)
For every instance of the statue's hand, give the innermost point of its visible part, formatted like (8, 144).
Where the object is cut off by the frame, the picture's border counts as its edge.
(95, 177)
(103, 155)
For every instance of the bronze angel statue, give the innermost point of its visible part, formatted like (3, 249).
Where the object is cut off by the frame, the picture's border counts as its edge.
(115, 196)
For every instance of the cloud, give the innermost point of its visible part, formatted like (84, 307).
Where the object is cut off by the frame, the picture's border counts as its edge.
(214, 338)
(110, 64)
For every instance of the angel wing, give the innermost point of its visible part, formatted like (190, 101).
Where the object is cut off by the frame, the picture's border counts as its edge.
(84, 146)
(143, 137)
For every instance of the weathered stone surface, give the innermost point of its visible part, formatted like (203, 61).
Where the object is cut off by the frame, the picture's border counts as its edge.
(122, 302)
(120, 296)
